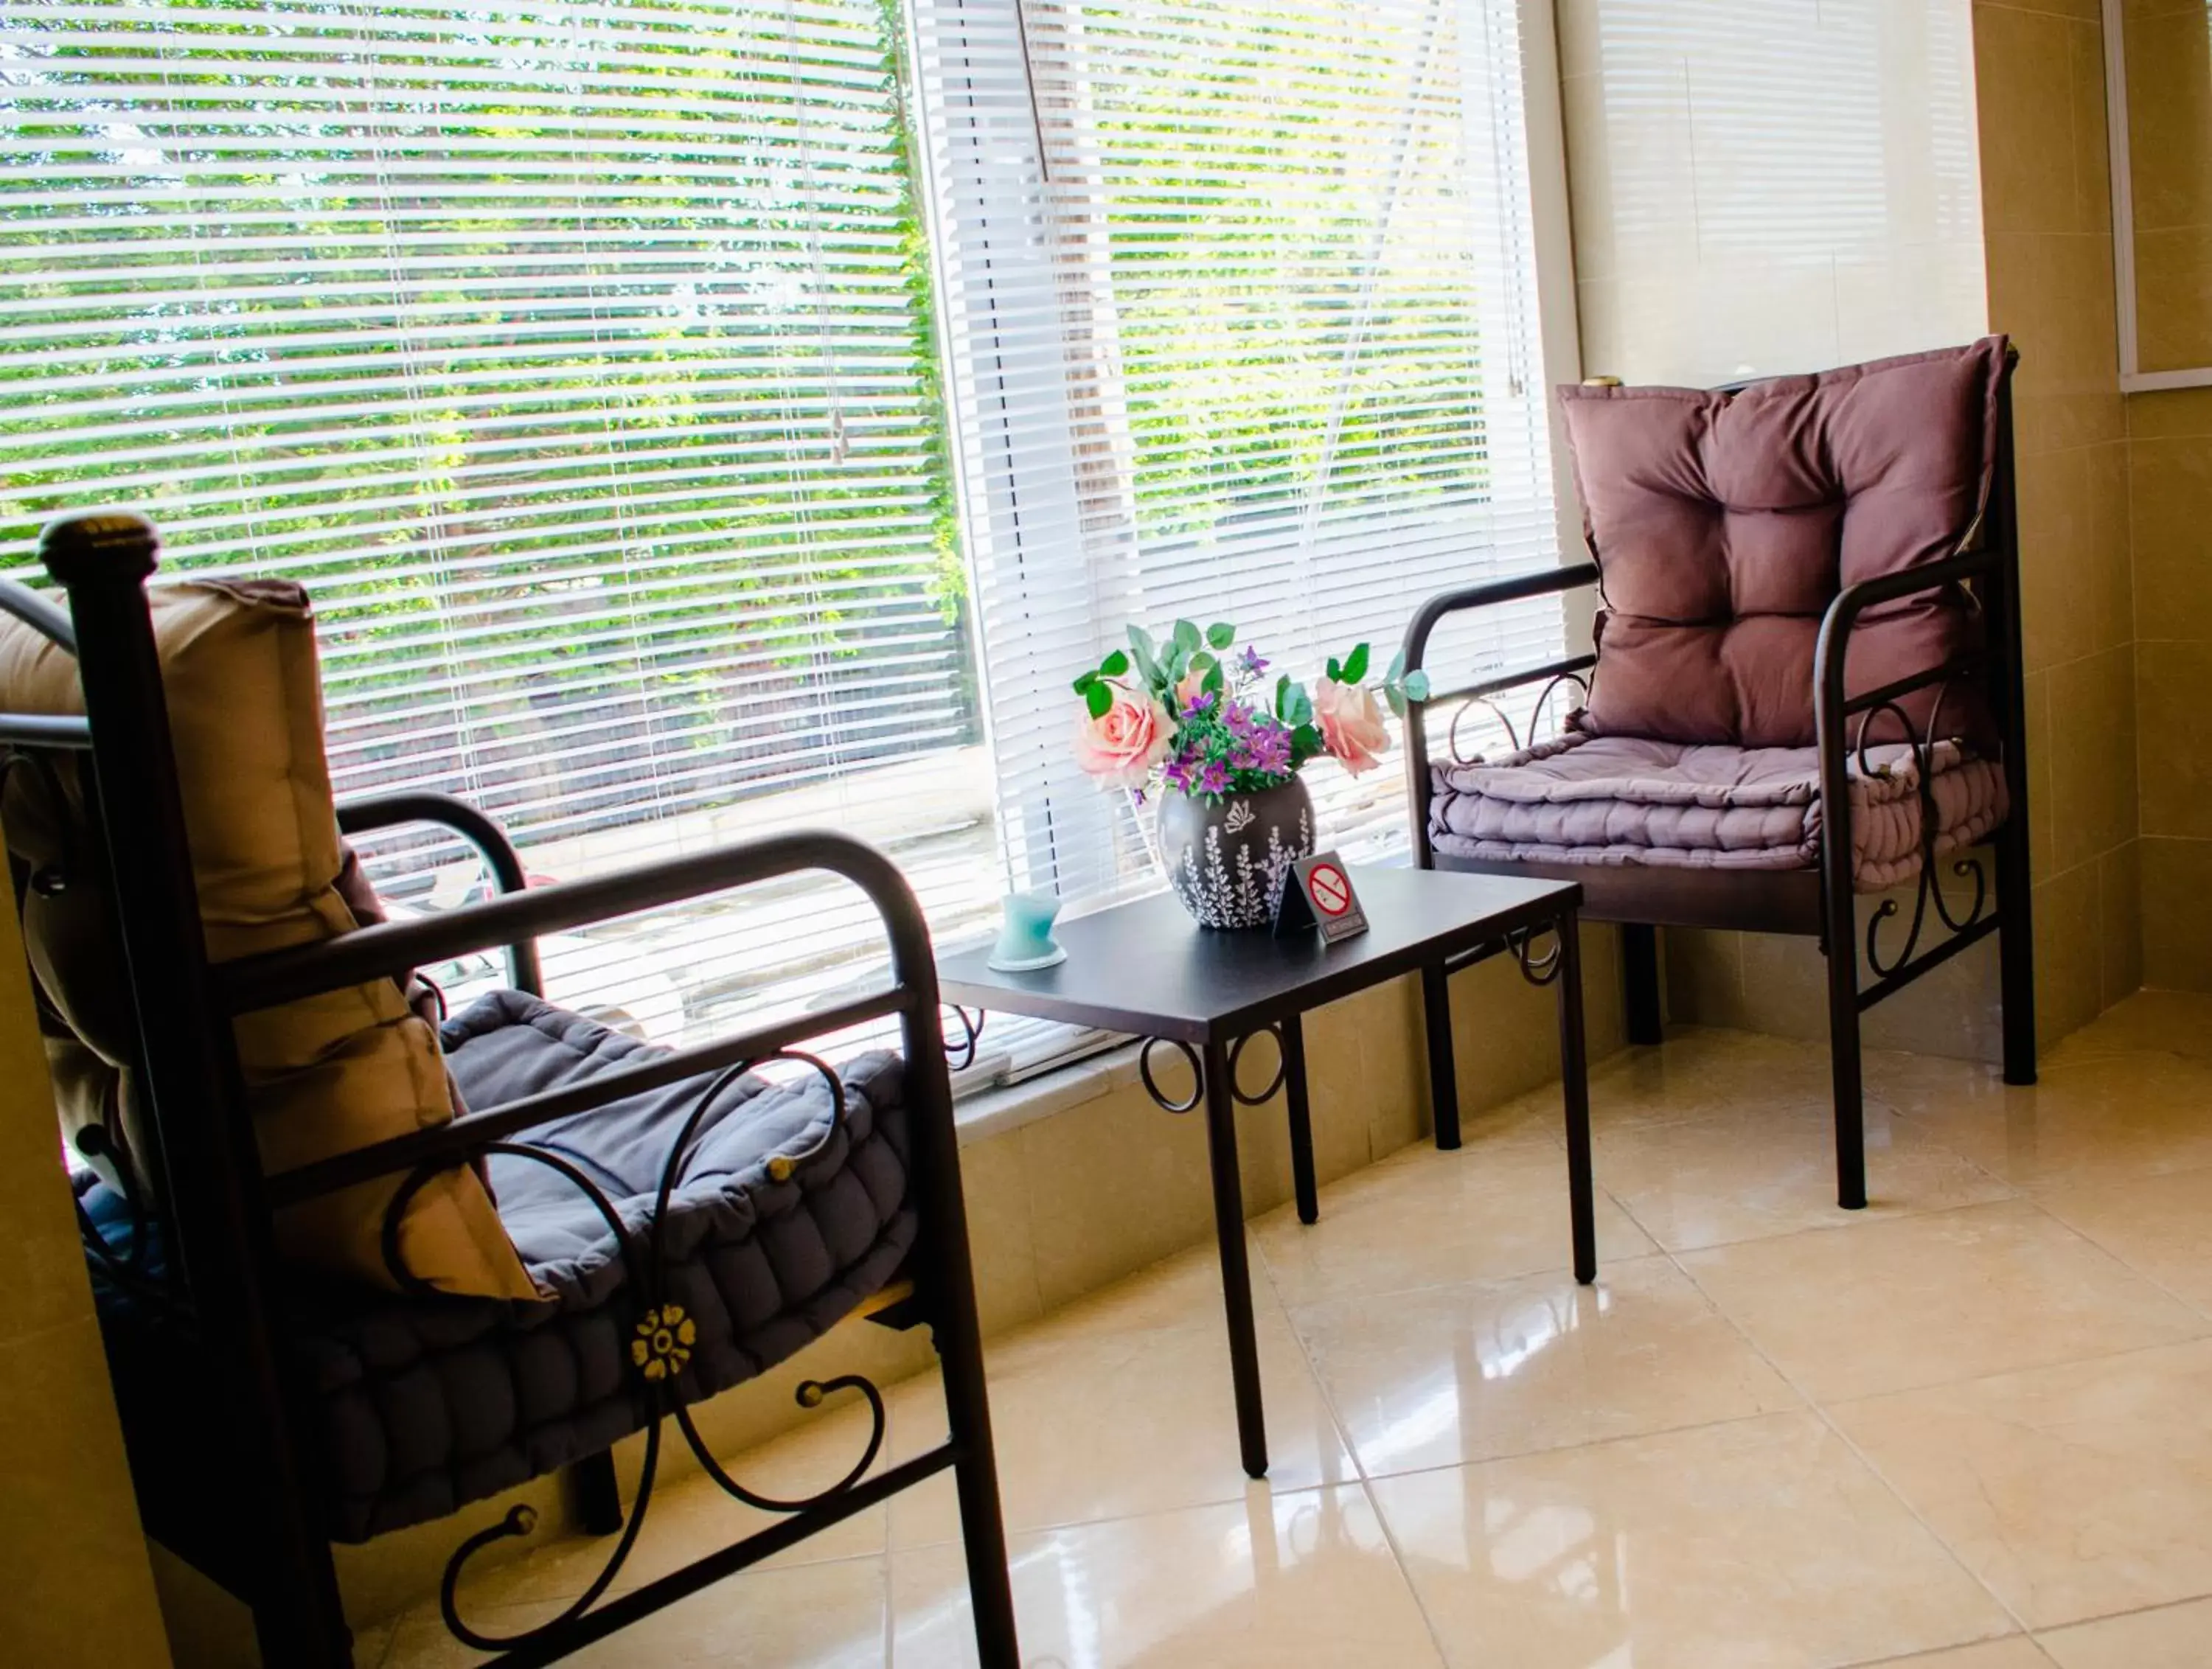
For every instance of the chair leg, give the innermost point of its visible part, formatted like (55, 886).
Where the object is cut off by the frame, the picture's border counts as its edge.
(2016, 952)
(976, 1481)
(1639, 973)
(1842, 948)
(303, 1622)
(598, 1498)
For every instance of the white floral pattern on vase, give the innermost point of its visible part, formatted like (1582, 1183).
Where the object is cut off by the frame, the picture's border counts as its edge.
(1226, 862)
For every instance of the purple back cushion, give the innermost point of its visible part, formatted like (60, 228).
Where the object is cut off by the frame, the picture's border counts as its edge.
(1724, 525)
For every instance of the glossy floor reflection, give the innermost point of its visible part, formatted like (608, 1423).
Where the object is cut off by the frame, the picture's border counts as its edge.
(1964, 1430)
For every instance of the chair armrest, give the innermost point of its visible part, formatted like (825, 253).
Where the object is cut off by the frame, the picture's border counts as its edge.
(1426, 620)
(1830, 707)
(1466, 598)
(281, 976)
(480, 830)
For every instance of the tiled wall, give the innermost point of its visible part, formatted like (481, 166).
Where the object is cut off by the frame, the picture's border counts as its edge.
(2169, 478)
(68, 1529)
(1769, 186)
(2047, 211)
(1765, 186)
(2170, 483)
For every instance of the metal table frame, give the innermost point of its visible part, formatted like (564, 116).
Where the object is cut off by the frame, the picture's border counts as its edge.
(1213, 1042)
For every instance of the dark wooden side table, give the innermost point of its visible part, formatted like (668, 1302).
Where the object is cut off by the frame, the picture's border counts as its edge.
(1147, 969)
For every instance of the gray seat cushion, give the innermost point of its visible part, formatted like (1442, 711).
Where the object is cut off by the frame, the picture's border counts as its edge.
(429, 1403)
(1625, 800)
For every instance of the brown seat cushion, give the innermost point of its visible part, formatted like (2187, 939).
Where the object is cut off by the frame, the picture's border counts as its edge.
(327, 1075)
(1724, 525)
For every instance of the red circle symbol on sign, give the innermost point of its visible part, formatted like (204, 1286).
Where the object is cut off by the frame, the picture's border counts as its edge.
(1331, 892)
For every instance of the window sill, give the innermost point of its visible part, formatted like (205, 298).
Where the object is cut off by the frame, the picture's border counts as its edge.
(994, 1112)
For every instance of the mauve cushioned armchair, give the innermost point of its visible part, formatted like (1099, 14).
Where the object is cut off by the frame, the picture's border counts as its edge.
(1805, 686)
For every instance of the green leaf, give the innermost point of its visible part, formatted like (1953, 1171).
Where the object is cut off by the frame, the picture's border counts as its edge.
(1186, 637)
(1356, 668)
(1301, 708)
(1396, 697)
(1335, 671)
(1085, 681)
(1417, 686)
(1282, 695)
(1114, 664)
(1214, 677)
(1397, 668)
(1221, 635)
(1141, 645)
(1099, 699)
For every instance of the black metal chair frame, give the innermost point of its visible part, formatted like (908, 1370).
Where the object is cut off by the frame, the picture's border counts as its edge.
(224, 1278)
(1819, 901)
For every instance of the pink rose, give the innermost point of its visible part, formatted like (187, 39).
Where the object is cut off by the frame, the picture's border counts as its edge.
(1121, 746)
(1351, 723)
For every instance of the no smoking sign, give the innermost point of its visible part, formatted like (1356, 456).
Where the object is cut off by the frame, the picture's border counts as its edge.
(1318, 892)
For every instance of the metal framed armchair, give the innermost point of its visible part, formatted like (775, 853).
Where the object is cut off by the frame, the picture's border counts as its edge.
(1805, 686)
(335, 1302)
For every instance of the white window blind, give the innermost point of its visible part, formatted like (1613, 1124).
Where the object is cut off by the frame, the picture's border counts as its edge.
(1241, 325)
(590, 361)
(577, 355)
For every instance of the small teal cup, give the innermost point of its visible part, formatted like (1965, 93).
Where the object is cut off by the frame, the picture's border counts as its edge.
(1025, 941)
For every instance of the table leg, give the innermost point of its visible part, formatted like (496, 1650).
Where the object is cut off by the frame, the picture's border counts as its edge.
(1444, 1075)
(1574, 1078)
(1292, 1036)
(1236, 1275)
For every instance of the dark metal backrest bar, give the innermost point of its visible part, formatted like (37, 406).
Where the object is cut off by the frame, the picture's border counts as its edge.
(218, 1222)
(283, 976)
(483, 833)
(40, 730)
(38, 613)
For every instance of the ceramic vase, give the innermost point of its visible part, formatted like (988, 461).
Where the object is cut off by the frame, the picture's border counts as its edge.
(1226, 862)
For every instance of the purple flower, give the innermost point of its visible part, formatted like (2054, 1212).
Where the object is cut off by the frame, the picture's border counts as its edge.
(1200, 704)
(1214, 778)
(1251, 662)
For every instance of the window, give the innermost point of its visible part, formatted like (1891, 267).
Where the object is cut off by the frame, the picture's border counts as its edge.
(1240, 303)
(693, 420)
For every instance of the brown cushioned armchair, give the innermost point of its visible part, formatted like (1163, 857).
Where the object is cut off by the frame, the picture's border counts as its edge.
(1805, 686)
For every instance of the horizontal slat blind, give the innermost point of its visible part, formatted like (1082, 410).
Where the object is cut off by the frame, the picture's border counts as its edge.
(577, 354)
(1242, 326)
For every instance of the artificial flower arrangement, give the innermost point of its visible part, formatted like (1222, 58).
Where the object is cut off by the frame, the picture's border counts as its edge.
(1193, 714)
(1201, 718)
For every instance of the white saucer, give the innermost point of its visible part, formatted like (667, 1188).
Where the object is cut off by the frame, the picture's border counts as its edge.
(1028, 964)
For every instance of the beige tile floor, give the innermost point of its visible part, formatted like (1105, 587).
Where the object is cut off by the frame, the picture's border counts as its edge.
(1970, 1428)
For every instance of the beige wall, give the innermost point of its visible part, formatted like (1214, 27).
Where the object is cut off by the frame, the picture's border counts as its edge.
(68, 1529)
(2047, 208)
(1763, 187)
(2170, 480)
(2170, 483)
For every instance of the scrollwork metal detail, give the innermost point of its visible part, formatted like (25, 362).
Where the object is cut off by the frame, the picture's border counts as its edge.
(1512, 734)
(1538, 970)
(660, 1351)
(1927, 888)
(960, 1057)
(1282, 1066)
(1166, 1103)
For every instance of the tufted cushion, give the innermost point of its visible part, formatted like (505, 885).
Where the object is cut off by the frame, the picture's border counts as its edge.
(1612, 800)
(1724, 525)
(424, 1404)
(325, 1075)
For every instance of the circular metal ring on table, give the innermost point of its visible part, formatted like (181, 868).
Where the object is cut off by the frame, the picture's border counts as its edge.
(1197, 1075)
(1282, 1066)
(959, 1057)
(1539, 970)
